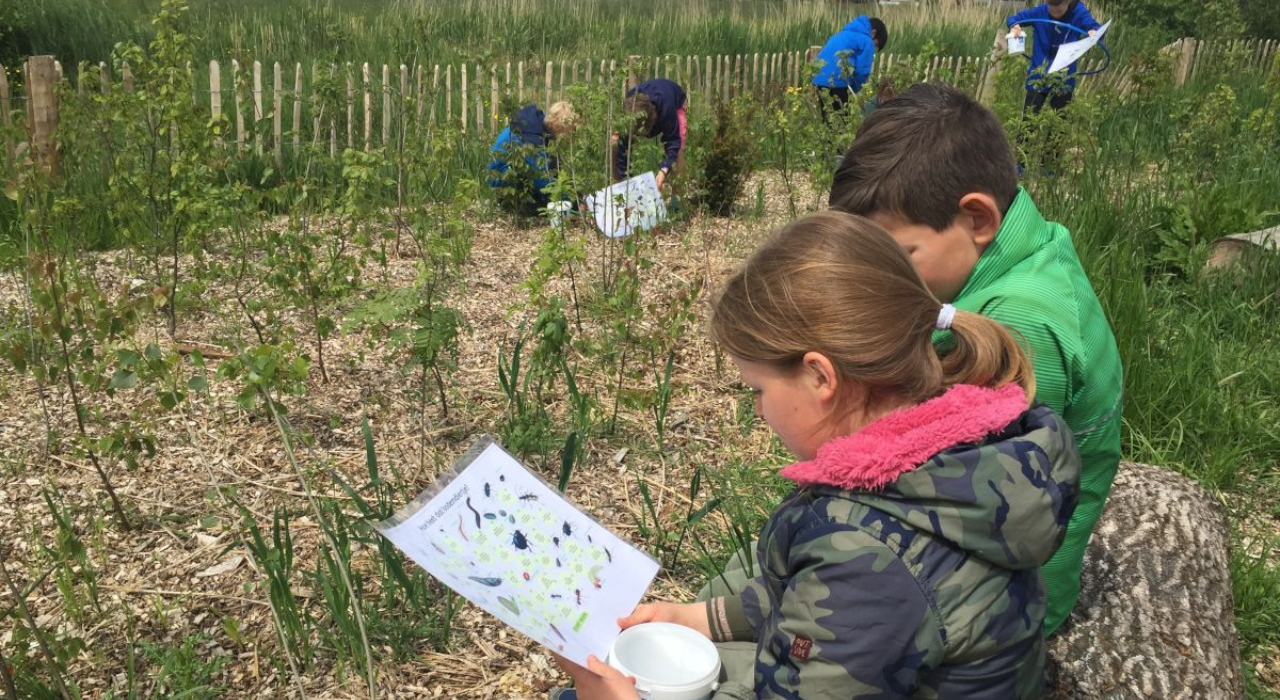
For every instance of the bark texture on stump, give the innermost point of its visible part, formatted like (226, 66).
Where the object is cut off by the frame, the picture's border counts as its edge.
(1155, 617)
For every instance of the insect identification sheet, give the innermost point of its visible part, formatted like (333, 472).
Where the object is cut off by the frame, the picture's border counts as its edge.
(502, 538)
(628, 206)
(1071, 52)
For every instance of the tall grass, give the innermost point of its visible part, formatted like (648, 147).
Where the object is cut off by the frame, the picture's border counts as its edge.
(442, 31)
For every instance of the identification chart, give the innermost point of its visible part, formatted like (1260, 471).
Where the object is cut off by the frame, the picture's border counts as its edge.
(1071, 52)
(506, 541)
(628, 206)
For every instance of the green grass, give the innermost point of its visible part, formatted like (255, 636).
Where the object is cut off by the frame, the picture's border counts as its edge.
(444, 31)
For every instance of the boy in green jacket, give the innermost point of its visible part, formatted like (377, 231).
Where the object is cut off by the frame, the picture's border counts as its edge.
(935, 168)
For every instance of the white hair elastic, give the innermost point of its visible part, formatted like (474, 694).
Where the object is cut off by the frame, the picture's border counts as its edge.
(946, 315)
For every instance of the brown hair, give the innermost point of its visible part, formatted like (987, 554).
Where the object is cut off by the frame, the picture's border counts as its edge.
(918, 154)
(839, 285)
(640, 104)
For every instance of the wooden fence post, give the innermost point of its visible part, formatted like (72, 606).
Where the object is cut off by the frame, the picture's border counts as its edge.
(277, 106)
(215, 97)
(4, 112)
(464, 101)
(1186, 57)
(297, 108)
(42, 110)
(386, 104)
(235, 87)
(367, 103)
(257, 107)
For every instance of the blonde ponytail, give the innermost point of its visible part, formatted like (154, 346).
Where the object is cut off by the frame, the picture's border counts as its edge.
(986, 354)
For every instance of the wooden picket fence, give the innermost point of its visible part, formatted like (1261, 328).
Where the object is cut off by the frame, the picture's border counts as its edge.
(274, 106)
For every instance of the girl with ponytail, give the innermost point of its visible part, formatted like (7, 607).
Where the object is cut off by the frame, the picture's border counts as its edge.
(928, 492)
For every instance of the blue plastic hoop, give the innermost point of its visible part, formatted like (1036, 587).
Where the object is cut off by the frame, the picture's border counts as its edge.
(1105, 65)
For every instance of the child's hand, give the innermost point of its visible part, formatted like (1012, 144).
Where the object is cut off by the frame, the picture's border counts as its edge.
(691, 615)
(598, 681)
(1016, 30)
(661, 177)
(1092, 32)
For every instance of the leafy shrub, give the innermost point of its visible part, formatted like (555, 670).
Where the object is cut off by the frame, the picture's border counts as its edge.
(729, 162)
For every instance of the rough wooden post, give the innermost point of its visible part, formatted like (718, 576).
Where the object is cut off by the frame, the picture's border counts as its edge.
(104, 77)
(126, 76)
(386, 104)
(987, 84)
(297, 108)
(404, 104)
(448, 93)
(316, 105)
(42, 110)
(351, 108)
(418, 96)
(464, 101)
(520, 84)
(560, 94)
(277, 106)
(333, 116)
(257, 107)
(493, 96)
(235, 82)
(4, 112)
(367, 103)
(215, 96)
(547, 97)
(1186, 57)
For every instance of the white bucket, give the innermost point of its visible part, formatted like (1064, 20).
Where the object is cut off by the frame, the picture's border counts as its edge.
(669, 662)
(557, 211)
(1017, 44)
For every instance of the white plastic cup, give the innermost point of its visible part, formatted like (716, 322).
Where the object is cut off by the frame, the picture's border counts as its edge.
(669, 662)
(1017, 44)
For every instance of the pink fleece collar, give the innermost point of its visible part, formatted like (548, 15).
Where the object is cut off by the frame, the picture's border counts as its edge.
(903, 440)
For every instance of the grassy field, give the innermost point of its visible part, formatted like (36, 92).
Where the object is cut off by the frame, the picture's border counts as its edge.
(197, 338)
(390, 31)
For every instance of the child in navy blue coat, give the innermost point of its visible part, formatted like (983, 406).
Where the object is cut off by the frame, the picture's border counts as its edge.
(659, 106)
(528, 128)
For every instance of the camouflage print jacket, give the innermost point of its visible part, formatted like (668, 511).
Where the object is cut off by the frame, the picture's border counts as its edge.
(906, 563)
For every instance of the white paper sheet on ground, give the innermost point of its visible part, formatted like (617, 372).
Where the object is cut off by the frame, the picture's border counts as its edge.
(506, 541)
(628, 206)
(1071, 52)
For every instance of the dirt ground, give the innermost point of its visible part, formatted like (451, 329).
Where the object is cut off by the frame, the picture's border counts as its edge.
(180, 574)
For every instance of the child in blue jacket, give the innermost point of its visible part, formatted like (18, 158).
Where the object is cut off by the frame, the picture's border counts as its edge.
(1045, 42)
(529, 127)
(844, 64)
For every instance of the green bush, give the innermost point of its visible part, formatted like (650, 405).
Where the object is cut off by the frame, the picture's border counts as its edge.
(1178, 18)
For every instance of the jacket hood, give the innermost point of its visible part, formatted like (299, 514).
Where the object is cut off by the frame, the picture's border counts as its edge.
(528, 126)
(860, 25)
(968, 467)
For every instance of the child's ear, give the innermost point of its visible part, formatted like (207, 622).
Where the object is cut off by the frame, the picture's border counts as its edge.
(980, 214)
(821, 375)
